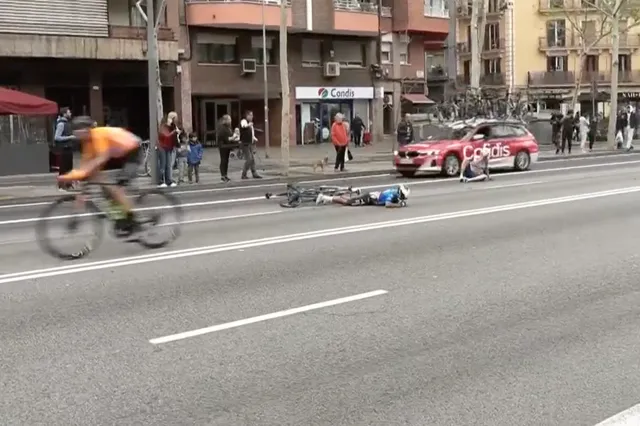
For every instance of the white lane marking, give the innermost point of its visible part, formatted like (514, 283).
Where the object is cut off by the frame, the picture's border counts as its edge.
(217, 219)
(594, 157)
(412, 182)
(198, 251)
(511, 185)
(629, 417)
(267, 317)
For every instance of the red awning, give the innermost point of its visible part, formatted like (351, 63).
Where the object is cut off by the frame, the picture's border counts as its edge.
(417, 99)
(19, 103)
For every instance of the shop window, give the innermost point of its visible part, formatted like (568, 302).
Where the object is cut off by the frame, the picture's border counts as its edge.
(216, 49)
(311, 52)
(350, 54)
(258, 51)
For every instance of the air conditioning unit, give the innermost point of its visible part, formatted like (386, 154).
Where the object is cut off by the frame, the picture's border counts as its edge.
(249, 66)
(332, 69)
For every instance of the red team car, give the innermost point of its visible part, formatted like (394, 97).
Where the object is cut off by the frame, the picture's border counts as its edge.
(512, 146)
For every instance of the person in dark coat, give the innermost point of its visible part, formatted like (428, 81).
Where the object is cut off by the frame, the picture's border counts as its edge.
(568, 127)
(64, 140)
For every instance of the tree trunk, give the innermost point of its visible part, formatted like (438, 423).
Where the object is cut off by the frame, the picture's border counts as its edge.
(615, 49)
(578, 83)
(475, 47)
(284, 82)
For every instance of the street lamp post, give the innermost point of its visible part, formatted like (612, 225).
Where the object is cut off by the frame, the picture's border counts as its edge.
(265, 82)
(152, 63)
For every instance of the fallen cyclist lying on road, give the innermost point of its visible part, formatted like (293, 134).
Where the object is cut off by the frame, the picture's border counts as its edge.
(395, 196)
(476, 168)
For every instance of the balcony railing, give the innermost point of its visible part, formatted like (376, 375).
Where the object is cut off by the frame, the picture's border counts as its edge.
(464, 48)
(267, 2)
(360, 6)
(568, 78)
(564, 5)
(440, 11)
(140, 33)
(573, 41)
(485, 80)
(437, 73)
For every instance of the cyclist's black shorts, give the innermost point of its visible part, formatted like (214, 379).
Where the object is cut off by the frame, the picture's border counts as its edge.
(362, 200)
(127, 165)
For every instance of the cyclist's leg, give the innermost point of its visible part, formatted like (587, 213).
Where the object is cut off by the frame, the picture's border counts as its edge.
(128, 171)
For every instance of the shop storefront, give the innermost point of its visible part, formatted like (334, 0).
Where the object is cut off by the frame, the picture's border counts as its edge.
(317, 106)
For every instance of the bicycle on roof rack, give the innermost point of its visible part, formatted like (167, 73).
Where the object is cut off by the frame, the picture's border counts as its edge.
(296, 194)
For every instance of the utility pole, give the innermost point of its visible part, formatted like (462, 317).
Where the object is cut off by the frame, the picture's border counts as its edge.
(265, 81)
(284, 83)
(152, 64)
(378, 92)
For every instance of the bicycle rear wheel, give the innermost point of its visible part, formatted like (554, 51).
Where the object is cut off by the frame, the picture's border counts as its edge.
(144, 166)
(55, 213)
(150, 215)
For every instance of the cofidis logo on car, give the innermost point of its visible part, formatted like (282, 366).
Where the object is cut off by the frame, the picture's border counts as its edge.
(496, 151)
(336, 93)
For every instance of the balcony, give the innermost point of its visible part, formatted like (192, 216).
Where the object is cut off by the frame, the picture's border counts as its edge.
(491, 49)
(437, 73)
(573, 42)
(485, 80)
(123, 43)
(243, 14)
(428, 17)
(559, 44)
(436, 11)
(357, 16)
(555, 6)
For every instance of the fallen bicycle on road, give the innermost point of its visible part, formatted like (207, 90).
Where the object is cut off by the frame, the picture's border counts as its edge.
(296, 194)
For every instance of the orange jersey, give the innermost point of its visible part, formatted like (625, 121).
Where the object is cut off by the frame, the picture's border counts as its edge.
(114, 141)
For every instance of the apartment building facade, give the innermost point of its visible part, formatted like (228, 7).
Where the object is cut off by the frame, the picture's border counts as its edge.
(534, 48)
(91, 56)
(332, 45)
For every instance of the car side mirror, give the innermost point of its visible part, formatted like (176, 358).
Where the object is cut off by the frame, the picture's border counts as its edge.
(478, 137)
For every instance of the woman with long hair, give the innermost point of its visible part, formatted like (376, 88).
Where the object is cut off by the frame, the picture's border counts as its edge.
(167, 140)
(227, 140)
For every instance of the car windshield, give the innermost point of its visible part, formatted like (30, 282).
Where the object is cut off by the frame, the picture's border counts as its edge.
(435, 134)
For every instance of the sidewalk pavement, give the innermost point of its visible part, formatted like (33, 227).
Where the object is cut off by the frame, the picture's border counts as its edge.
(369, 160)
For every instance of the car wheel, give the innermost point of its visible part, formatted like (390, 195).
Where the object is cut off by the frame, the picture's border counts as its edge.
(408, 174)
(522, 161)
(451, 166)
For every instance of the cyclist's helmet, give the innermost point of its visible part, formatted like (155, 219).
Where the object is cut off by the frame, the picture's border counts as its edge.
(404, 191)
(82, 122)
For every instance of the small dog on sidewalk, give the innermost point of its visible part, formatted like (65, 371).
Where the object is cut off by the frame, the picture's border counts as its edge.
(319, 164)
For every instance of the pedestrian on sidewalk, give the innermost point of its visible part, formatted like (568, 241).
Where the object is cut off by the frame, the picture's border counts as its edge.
(64, 140)
(583, 129)
(167, 137)
(404, 131)
(194, 157)
(632, 124)
(182, 153)
(357, 129)
(227, 140)
(593, 131)
(567, 132)
(340, 141)
(247, 140)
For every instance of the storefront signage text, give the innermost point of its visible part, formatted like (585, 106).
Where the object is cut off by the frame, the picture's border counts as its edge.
(338, 93)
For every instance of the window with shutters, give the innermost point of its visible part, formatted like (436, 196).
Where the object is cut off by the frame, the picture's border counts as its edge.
(216, 49)
(589, 31)
(591, 63)
(492, 66)
(350, 54)
(311, 52)
(387, 52)
(258, 51)
(624, 62)
(556, 33)
(557, 63)
(492, 37)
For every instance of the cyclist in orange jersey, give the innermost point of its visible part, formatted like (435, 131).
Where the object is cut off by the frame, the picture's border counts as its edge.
(103, 145)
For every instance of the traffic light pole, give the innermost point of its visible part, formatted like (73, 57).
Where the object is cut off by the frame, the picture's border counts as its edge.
(152, 63)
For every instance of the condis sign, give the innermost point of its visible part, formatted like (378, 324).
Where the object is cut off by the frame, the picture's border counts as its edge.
(496, 151)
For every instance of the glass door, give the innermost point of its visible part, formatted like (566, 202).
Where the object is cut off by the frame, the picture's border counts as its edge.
(208, 120)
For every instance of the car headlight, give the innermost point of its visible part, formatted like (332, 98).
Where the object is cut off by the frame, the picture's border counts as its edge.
(395, 152)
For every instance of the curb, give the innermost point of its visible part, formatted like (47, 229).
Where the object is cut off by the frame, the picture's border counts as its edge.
(9, 200)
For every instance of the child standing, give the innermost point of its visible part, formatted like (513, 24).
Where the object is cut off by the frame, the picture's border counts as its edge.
(194, 157)
(181, 158)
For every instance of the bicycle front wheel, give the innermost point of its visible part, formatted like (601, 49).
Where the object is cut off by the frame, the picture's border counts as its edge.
(63, 213)
(160, 218)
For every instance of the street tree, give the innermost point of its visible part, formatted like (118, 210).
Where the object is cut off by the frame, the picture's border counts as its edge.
(590, 28)
(284, 82)
(623, 15)
(156, 15)
(479, 10)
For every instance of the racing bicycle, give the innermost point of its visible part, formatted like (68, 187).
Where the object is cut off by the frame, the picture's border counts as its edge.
(296, 195)
(99, 206)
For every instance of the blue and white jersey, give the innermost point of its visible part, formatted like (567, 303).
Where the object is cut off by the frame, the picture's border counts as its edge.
(391, 195)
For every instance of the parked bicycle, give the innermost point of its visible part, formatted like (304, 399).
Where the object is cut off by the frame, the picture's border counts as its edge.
(145, 159)
(99, 207)
(296, 195)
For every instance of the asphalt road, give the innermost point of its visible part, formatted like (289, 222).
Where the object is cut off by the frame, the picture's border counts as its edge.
(510, 302)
